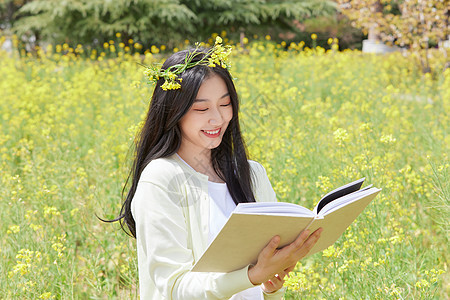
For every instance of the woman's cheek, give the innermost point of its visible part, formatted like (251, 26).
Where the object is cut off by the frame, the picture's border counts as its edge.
(230, 114)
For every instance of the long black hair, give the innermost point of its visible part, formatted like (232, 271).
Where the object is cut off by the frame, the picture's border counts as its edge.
(160, 135)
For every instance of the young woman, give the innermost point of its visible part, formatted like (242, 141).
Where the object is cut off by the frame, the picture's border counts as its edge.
(189, 172)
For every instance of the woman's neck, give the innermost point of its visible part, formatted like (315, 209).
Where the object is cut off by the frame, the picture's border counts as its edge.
(200, 162)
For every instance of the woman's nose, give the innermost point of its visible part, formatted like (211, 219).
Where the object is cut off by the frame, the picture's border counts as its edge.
(216, 117)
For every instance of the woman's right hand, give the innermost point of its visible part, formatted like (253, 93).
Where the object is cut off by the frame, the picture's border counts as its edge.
(273, 262)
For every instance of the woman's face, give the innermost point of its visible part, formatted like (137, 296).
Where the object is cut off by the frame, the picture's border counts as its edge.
(203, 126)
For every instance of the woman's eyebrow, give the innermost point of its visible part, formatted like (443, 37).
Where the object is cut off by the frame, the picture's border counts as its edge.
(225, 95)
(206, 100)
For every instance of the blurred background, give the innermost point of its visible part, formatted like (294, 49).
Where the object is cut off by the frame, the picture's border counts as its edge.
(330, 91)
(408, 24)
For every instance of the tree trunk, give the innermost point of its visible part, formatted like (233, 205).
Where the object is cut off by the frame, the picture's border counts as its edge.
(241, 38)
(374, 34)
(10, 10)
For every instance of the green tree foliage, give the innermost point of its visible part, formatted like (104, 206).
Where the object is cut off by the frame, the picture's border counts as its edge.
(159, 21)
(256, 15)
(8, 9)
(82, 21)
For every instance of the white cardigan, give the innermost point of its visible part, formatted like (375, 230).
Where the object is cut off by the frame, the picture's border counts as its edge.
(171, 211)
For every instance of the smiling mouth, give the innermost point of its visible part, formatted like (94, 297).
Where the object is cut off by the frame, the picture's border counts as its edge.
(212, 133)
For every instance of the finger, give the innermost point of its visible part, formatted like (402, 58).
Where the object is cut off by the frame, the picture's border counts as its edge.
(312, 239)
(271, 246)
(278, 280)
(300, 239)
(318, 231)
(275, 281)
(290, 269)
(281, 276)
(273, 284)
(310, 242)
(269, 287)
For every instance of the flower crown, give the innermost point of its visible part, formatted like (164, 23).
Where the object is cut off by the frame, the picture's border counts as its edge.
(217, 55)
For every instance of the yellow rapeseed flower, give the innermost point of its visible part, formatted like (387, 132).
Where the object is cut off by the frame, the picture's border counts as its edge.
(35, 227)
(340, 136)
(154, 49)
(48, 295)
(51, 210)
(13, 229)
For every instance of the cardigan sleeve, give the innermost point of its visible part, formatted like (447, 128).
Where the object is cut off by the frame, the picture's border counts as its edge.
(264, 192)
(164, 255)
(274, 296)
(262, 188)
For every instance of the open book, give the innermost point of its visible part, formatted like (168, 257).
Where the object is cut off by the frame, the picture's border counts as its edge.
(252, 225)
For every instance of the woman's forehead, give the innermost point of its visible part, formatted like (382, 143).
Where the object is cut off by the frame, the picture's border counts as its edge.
(212, 88)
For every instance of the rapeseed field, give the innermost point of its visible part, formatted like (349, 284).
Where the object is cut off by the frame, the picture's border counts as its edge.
(315, 118)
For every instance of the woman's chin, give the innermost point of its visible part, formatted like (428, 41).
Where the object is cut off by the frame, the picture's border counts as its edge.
(214, 144)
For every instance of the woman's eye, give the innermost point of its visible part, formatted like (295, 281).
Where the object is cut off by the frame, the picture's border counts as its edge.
(205, 109)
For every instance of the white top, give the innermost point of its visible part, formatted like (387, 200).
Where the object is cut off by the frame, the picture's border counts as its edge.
(220, 208)
(171, 211)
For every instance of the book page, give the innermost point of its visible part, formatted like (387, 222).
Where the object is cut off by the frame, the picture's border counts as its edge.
(338, 203)
(337, 221)
(339, 192)
(273, 208)
(244, 236)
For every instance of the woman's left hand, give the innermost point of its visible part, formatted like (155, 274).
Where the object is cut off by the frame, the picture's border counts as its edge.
(275, 283)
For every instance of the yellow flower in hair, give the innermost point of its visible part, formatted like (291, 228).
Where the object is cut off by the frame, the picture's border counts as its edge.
(171, 75)
(170, 85)
(216, 56)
